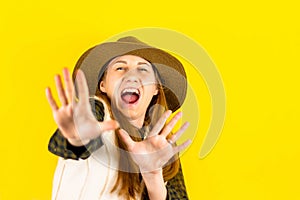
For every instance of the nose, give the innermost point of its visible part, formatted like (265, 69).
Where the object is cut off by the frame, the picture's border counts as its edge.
(131, 76)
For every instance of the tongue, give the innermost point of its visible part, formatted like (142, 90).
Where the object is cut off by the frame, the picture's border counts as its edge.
(130, 98)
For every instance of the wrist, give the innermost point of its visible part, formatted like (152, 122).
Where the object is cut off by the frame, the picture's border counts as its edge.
(73, 138)
(155, 184)
(152, 174)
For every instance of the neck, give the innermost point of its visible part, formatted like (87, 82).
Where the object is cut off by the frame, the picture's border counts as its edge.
(138, 123)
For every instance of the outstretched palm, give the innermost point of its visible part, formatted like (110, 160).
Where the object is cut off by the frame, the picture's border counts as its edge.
(155, 151)
(75, 118)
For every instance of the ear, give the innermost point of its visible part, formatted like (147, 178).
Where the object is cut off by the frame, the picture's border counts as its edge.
(102, 87)
(155, 91)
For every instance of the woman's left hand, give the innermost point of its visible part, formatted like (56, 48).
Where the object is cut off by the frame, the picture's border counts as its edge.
(156, 150)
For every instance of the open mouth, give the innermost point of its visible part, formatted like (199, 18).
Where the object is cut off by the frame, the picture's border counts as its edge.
(130, 95)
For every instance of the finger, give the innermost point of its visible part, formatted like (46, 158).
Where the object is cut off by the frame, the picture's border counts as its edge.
(108, 125)
(182, 146)
(126, 139)
(178, 134)
(60, 90)
(51, 100)
(69, 84)
(83, 90)
(168, 128)
(160, 124)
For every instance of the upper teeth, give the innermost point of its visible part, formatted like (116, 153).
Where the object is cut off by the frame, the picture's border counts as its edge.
(130, 90)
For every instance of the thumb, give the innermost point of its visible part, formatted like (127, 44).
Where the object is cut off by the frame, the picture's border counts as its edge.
(126, 139)
(108, 125)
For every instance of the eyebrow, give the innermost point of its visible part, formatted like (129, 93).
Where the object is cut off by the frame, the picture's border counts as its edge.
(139, 63)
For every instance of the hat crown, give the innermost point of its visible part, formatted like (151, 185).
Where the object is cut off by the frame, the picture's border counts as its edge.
(131, 39)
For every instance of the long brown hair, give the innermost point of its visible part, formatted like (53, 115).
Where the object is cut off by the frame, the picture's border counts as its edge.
(129, 182)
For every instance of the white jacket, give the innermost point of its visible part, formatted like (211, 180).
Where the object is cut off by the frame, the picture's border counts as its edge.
(92, 178)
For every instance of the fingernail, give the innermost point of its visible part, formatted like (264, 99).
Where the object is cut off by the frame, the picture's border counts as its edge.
(121, 131)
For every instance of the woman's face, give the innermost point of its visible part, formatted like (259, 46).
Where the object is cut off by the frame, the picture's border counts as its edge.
(130, 83)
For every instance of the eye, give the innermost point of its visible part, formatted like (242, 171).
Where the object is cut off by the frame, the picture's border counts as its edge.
(120, 68)
(143, 69)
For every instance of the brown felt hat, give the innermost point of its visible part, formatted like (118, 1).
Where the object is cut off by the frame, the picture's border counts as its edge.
(170, 69)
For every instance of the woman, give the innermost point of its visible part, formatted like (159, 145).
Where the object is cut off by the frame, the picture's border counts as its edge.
(117, 145)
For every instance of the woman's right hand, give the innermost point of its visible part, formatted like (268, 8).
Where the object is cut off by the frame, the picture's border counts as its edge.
(74, 117)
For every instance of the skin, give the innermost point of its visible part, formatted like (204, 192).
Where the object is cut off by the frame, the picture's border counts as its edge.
(77, 123)
(130, 72)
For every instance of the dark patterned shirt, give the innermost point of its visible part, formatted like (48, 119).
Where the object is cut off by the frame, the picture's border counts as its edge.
(59, 146)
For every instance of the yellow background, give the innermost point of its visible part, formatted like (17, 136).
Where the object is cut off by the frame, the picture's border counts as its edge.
(254, 44)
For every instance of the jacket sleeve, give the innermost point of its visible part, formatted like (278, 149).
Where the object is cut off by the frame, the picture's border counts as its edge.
(60, 146)
(176, 189)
